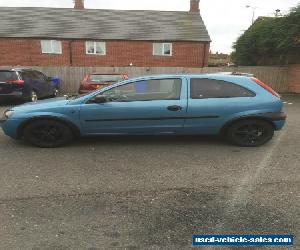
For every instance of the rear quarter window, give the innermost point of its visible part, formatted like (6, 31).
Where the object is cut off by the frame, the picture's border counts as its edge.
(6, 76)
(29, 75)
(209, 88)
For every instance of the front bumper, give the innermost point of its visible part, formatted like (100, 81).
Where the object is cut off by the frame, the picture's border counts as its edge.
(10, 127)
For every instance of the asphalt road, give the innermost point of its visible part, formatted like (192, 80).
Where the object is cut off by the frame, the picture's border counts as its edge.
(148, 192)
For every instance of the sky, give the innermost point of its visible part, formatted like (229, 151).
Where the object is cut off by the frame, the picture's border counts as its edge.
(224, 19)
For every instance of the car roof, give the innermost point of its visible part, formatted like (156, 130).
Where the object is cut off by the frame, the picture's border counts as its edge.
(226, 75)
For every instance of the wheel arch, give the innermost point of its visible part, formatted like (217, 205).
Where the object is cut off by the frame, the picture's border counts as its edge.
(238, 119)
(75, 130)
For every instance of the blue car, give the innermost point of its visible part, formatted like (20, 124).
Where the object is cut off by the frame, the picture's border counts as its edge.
(22, 84)
(240, 107)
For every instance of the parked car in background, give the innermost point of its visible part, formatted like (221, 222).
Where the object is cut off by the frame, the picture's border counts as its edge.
(21, 84)
(240, 107)
(55, 81)
(92, 82)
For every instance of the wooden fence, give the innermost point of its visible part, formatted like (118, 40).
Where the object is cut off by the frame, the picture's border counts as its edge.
(276, 77)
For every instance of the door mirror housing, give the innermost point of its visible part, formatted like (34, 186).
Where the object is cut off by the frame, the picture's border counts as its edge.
(99, 99)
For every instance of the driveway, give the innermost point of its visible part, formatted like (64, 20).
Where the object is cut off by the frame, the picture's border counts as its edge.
(148, 192)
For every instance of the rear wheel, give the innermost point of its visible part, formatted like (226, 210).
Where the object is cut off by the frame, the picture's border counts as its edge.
(250, 133)
(33, 96)
(47, 133)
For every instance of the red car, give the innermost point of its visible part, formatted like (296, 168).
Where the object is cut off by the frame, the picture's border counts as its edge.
(96, 81)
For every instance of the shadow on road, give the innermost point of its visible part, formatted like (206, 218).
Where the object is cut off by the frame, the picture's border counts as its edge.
(150, 140)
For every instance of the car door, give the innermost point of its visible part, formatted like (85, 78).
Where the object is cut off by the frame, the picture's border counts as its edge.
(212, 102)
(150, 106)
(31, 81)
(44, 85)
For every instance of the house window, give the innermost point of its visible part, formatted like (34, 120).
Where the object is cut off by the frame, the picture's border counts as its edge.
(95, 48)
(162, 49)
(51, 47)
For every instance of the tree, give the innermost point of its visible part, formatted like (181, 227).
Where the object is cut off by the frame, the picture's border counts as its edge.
(270, 41)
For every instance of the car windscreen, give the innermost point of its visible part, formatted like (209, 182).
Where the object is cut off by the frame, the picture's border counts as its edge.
(6, 76)
(105, 78)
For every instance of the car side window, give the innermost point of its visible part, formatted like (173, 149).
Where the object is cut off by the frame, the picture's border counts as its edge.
(8, 76)
(27, 75)
(146, 90)
(209, 88)
(39, 76)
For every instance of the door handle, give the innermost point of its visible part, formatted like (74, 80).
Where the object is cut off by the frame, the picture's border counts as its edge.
(174, 108)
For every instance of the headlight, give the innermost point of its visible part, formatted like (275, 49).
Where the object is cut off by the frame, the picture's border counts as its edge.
(8, 114)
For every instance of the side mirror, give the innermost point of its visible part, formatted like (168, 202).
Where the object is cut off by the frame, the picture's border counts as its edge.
(99, 99)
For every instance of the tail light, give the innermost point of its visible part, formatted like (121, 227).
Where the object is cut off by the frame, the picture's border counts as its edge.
(84, 82)
(86, 77)
(265, 86)
(17, 82)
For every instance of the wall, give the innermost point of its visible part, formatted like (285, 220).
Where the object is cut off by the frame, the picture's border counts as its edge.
(276, 77)
(27, 52)
(294, 78)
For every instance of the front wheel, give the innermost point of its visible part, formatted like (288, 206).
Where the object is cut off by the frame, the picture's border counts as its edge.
(55, 93)
(47, 133)
(250, 133)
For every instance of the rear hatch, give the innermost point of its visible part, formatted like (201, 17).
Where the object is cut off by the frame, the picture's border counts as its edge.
(9, 82)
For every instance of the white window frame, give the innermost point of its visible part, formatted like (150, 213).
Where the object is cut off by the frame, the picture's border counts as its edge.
(95, 48)
(52, 47)
(163, 49)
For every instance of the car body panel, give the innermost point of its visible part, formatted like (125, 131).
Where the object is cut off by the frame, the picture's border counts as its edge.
(138, 117)
(198, 116)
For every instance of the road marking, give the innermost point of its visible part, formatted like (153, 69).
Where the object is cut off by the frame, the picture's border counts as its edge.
(247, 184)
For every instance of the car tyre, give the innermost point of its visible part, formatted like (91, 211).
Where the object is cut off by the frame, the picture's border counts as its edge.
(47, 133)
(55, 93)
(250, 133)
(33, 96)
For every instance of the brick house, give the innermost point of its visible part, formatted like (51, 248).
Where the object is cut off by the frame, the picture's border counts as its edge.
(111, 38)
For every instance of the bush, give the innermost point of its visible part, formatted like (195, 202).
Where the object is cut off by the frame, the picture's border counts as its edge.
(270, 41)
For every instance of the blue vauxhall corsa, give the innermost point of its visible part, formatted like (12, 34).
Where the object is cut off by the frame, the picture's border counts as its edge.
(238, 106)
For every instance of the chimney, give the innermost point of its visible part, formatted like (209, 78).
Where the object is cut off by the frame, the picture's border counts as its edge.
(79, 4)
(194, 8)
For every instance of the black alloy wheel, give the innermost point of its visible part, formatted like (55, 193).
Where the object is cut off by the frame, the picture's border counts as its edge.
(33, 96)
(250, 133)
(47, 133)
(55, 93)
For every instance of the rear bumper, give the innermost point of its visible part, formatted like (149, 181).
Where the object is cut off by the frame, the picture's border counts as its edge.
(16, 95)
(278, 119)
(279, 124)
(278, 116)
(81, 91)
